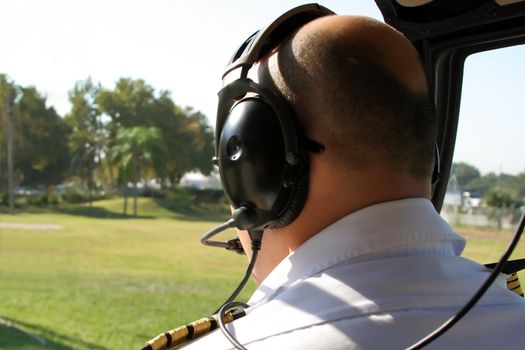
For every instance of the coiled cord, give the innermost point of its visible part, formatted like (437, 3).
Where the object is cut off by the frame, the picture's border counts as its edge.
(256, 237)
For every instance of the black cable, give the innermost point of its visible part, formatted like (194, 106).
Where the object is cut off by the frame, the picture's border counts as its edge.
(256, 237)
(222, 325)
(205, 239)
(243, 219)
(243, 282)
(481, 291)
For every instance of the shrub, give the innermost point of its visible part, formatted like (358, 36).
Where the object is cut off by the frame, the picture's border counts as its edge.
(78, 195)
(153, 193)
(40, 200)
(4, 198)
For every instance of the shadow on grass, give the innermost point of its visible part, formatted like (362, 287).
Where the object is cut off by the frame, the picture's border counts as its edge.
(17, 335)
(99, 213)
(92, 212)
(186, 206)
(193, 212)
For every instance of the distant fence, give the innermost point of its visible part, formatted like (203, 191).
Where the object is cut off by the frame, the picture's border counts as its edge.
(474, 219)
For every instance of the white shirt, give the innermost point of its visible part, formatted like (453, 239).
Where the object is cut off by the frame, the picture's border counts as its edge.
(380, 278)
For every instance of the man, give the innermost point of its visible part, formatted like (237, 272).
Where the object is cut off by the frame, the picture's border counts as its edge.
(368, 263)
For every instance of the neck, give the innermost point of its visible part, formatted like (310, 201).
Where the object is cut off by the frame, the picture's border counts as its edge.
(330, 200)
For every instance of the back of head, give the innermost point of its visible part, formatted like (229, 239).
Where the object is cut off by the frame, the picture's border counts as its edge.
(359, 88)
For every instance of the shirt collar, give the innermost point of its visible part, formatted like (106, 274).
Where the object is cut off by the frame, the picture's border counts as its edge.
(388, 226)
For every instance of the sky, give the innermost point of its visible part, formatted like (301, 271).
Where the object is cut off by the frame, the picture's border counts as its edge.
(491, 130)
(183, 46)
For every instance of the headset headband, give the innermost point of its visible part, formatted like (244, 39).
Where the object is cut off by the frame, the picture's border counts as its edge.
(253, 48)
(262, 41)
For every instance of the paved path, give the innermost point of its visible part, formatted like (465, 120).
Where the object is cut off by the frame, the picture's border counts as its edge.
(14, 225)
(12, 325)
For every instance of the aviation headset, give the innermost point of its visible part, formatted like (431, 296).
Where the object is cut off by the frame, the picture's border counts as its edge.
(260, 149)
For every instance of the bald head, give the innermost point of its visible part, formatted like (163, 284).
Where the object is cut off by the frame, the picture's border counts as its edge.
(358, 87)
(365, 39)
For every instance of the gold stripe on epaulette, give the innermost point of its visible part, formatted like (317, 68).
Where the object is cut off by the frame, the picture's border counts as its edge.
(513, 284)
(182, 334)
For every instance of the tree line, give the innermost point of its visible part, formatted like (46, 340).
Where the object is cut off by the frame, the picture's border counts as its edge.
(509, 188)
(109, 138)
(502, 195)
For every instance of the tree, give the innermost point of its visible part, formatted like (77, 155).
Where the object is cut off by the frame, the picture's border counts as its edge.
(464, 174)
(189, 142)
(8, 93)
(188, 139)
(6, 90)
(131, 103)
(514, 184)
(483, 183)
(40, 139)
(501, 203)
(137, 150)
(87, 139)
(43, 155)
(204, 145)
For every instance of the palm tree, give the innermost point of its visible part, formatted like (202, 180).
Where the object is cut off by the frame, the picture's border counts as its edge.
(87, 141)
(86, 149)
(136, 151)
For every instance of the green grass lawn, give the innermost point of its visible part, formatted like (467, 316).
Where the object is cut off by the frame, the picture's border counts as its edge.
(486, 245)
(105, 282)
(109, 282)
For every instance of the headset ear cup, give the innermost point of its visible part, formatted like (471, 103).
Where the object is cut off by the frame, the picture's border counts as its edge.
(268, 168)
(297, 199)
